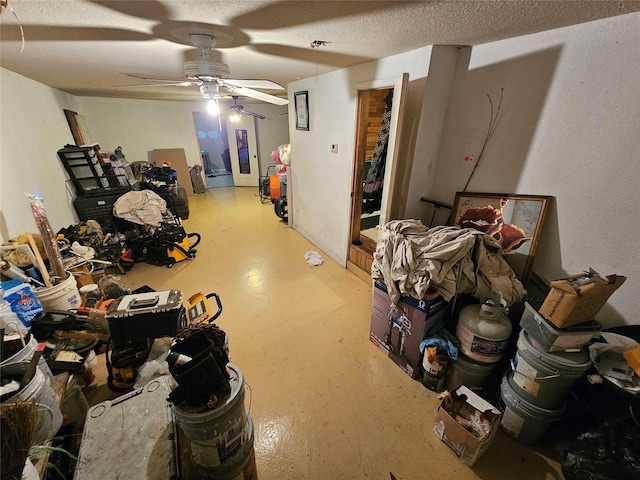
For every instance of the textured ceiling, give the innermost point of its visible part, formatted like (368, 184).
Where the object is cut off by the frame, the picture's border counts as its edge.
(86, 47)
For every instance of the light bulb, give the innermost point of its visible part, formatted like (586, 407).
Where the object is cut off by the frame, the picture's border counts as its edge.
(234, 118)
(212, 107)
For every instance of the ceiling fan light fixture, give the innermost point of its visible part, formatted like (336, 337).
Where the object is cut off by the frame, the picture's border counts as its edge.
(210, 90)
(234, 117)
(212, 107)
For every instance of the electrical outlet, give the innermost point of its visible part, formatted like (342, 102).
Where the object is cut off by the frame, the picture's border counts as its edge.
(334, 148)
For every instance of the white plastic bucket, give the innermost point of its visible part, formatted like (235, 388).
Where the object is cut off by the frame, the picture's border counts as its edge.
(546, 378)
(524, 421)
(63, 296)
(241, 466)
(215, 436)
(25, 353)
(464, 371)
(92, 360)
(41, 391)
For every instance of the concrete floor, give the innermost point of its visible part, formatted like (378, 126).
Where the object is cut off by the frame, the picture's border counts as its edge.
(327, 404)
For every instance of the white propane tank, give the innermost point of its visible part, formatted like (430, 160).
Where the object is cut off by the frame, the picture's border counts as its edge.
(484, 329)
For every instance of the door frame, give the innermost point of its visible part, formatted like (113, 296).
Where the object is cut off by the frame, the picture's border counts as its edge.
(241, 179)
(199, 117)
(360, 249)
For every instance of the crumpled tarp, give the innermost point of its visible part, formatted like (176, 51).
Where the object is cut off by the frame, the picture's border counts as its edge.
(142, 207)
(410, 258)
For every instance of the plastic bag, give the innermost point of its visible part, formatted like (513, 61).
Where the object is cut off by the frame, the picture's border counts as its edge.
(156, 365)
(150, 370)
(313, 258)
(607, 357)
(9, 321)
(49, 237)
(112, 287)
(23, 302)
(607, 453)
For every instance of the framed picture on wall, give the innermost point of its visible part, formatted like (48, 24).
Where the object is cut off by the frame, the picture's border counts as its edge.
(515, 221)
(301, 100)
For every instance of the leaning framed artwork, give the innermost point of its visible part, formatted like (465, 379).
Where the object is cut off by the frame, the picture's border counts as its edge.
(301, 100)
(515, 221)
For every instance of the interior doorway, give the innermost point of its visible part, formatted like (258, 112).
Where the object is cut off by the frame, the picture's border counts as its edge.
(380, 112)
(214, 148)
(243, 150)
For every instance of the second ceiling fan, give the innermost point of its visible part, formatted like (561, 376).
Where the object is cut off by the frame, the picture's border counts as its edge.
(238, 109)
(213, 78)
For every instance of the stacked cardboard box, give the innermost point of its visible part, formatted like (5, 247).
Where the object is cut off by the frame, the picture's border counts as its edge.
(578, 298)
(397, 330)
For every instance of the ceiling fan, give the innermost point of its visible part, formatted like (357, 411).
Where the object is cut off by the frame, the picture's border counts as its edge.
(239, 109)
(213, 77)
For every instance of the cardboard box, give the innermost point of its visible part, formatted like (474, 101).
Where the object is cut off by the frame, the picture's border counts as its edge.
(578, 298)
(467, 423)
(397, 330)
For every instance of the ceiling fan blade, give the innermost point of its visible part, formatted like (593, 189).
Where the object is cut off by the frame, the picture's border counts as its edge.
(265, 97)
(256, 115)
(161, 78)
(166, 84)
(262, 84)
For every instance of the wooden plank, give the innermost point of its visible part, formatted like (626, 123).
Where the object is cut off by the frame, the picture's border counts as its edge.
(358, 272)
(361, 257)
(358, 177)
(44, 273)
(178, 160)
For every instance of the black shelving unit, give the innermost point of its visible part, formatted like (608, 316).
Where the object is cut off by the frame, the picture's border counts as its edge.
(87, 175)
(96, 188)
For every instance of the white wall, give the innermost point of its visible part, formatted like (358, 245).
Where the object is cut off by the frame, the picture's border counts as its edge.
(429, 126)
(140, 126)
(320, 180)
(568, 128)
(271, 131)
(32, 129)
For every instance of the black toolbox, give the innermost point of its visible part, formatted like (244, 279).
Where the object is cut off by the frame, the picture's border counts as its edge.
(147, 315)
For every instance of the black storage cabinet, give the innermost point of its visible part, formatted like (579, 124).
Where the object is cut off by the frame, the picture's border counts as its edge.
(84, 170)
(96, 191)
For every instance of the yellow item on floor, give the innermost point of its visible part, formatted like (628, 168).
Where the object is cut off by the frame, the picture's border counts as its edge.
(176, 255)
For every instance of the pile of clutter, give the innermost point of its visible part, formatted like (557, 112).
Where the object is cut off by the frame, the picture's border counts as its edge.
(57, 317)
(441, 305)
(155, 337)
